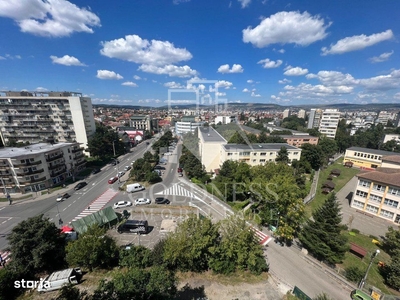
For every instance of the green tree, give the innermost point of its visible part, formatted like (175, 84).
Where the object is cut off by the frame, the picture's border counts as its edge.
(238, 138)
(135, 257)
(189, 247)
(393, 272)
(152, 177)
(321, 235)
(322, 296)
(105, 142)
(293, 122)
(328, 147)
(148, 156)
(7, 279)
(312, 154)
(391, 242)
(354, 274)
(283, 156)
(69, 292)
(93, 249)
(36, 245)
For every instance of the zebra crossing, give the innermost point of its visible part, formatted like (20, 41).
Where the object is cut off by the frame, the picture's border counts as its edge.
(177, 190)
(5, 258)
(97, 204)
(262, 238)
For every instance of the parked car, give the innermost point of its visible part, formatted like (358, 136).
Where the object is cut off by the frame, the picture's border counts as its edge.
(180, 170)
(115, 162)
(159, 168)
(127, 168)
(121, 204)
(120, 174)
(180, 174)
(161, 200)
(142, 201)
(80, 185)
(112, 180)
(167, 153)
(63, 197)
(95, 171)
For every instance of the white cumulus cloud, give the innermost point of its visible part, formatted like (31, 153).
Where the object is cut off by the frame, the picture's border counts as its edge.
(224, 84)
(66, 60)
(287, 28)
(244, 3)
(381, 58)
(253, 94)
(137, 77)
(295, 71)
(129, 83)
(246, 90)
(174, 85)
(382, 82)
(105, 74)
(269, 64)
(357, 42)
(50, 18)
(170, 70)
(135, 49)
(236, 68)
(284, 81)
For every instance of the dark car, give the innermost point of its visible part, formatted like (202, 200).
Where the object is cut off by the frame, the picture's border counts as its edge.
(63, 197)
(161, 200)
(159, 168)
(180, 170)
(115, 162)
(80, 185)
(95, 171)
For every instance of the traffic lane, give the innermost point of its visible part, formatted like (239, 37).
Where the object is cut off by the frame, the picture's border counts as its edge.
(290, 266)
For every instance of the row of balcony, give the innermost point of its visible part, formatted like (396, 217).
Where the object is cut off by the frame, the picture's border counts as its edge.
(54, 157)
(29, 172)
(27, 163)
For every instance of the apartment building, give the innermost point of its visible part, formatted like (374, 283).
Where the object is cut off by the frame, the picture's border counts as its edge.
(257, 154)
(225, 120)
(301, 114)
(329, 122)
(141, 122)
(378, 193)
(367, 158)
(210, 142)
(314, 118)
(286, 113)
(39, 166)
(34, 117)
(299, 140)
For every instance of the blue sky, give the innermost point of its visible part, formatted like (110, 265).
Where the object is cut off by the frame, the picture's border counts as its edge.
(265, 51)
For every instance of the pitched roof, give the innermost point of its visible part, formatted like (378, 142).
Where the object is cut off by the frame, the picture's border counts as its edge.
(387, 176)
(391, 158)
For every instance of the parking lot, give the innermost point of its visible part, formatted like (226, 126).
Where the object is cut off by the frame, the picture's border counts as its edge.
(155, 215)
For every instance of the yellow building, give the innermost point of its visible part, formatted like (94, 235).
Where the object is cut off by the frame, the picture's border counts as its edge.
(378, 193)
(367, 158)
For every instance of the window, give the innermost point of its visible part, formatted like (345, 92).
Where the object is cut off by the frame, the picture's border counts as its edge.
(36, 176)
(391, 203)
(379, 187)
(364, 183)
(254, 160)
(361, 194)
(375, 198)
(386, 214)
(355, 153)
(244, 153)
(34, 168)
(271, 153)
(263, 154)
(262, 160)
(358, 203)
(394, 191)
(229, 153)
(372, 209)
(31, 159)
(295, 153)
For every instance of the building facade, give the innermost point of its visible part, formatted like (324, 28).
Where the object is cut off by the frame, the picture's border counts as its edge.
(257, 154)
(225, 120)
(299, 140)
(34, 117)
(141, 122)
(366, 158)
(314, 118)
(329, 122)
(39, 166)
(210, 141)
(378, 193)
(186, 125)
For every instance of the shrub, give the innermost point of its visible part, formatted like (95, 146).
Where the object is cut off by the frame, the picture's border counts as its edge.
(354, 274)
(355, 230)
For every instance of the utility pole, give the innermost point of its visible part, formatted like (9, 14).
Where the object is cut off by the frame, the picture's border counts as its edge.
(60, 221)
(114, 148)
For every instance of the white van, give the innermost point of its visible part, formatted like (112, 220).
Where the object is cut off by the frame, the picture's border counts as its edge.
(134, 187)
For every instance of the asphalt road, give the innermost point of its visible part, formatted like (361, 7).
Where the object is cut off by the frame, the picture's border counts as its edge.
(11, 215)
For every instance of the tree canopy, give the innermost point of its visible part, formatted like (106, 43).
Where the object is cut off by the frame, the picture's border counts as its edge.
(105, 142)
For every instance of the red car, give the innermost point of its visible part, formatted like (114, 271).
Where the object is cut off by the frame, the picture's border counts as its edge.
(112, 180)
(180, 170)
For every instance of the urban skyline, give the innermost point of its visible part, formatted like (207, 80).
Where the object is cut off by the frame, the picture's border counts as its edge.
(257, 51)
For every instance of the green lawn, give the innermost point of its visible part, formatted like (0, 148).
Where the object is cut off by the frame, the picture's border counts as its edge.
(345, 175)
(374, 277)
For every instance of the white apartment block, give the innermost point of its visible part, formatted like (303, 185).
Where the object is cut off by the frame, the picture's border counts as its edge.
(34, 117)
(301, 114)
(392, 137)
(210, 142)
(329, 122)
(257, 154)
(39, 166)
(141, 122)
(378, 193)
(314, 118)
(286, 113)
(225, 120)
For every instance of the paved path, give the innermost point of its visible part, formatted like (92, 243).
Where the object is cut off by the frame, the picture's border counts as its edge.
(366, 223)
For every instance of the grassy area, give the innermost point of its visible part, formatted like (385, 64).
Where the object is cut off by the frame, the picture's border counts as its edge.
(374, 277)
(345, 175)
(232, 279)
(20, 198)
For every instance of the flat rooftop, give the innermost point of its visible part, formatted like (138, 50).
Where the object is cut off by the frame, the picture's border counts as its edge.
(259, 147)
(209, 134)
(10, 152)
(373, 151)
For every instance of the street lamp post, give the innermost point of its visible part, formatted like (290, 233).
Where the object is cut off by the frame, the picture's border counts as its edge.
(114, 148)
(60, 221)
(362, 282)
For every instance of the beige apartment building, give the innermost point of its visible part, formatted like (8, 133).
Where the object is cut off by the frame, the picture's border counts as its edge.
(39, 166)
(378, 193)
(299, 140)
(34, 117)
(210, 142)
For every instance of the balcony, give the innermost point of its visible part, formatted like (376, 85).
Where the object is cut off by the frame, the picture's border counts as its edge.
(74, 150)
(80, 163)
(79, 155)
(30, 172)
(56, 173)
(54, 157)
(38, 179)
(55, 166)
(28, 163)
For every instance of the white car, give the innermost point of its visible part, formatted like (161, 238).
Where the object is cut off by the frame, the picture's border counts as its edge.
(127, 168)
(121, 204)
(168, 153)
(142, 201)
(120, 173)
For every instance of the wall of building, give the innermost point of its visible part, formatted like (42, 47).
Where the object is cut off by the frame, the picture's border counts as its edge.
(362, 159)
